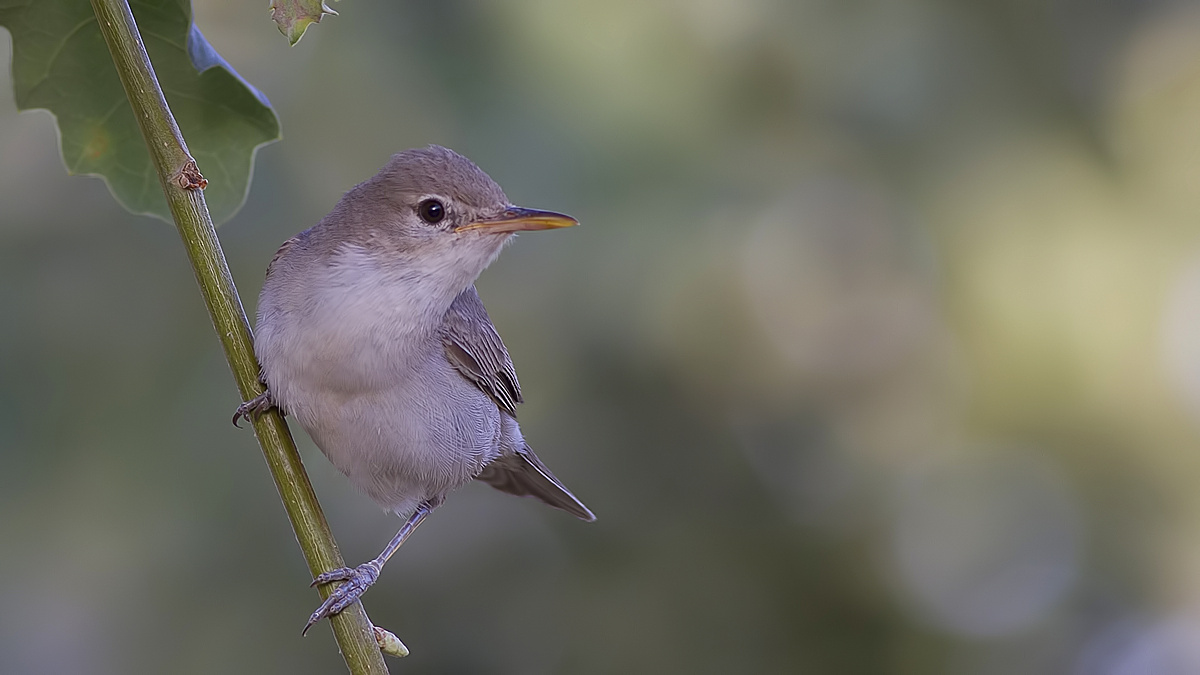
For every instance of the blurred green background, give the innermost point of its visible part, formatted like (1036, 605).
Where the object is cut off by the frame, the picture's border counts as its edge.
(878, 350)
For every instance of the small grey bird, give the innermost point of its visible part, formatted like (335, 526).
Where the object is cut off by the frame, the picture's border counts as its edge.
(371, 334)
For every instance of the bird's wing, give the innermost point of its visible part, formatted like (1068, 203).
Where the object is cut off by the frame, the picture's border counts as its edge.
(283, 251)
(475, 349)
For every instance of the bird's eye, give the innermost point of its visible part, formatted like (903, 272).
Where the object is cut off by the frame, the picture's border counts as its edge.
(431, 211)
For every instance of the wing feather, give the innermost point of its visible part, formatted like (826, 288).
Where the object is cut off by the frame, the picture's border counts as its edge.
(475, 349)
(523, 474)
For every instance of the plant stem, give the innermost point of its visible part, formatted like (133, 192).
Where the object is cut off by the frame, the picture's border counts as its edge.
(183, 186)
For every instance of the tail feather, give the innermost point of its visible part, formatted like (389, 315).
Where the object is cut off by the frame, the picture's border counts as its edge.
(524, 475)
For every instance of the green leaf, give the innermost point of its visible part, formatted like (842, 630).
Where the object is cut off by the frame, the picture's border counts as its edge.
(61, 63)
(295, 16)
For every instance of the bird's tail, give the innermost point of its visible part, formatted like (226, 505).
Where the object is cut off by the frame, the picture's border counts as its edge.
(524, 475)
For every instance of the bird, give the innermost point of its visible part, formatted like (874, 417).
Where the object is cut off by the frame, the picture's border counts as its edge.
(370, 333)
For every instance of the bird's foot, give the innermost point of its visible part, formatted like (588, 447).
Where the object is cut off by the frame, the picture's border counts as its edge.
(357, 581)
(254, 408)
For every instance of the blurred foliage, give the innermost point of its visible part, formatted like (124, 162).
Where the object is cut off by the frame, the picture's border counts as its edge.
(876, 352)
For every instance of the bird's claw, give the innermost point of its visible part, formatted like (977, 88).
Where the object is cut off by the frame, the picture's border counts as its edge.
(356, 581)
(254, 408)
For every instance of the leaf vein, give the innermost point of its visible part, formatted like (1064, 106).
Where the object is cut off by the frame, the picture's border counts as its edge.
(58, 49)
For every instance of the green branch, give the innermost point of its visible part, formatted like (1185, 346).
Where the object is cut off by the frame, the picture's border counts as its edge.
(183, 186)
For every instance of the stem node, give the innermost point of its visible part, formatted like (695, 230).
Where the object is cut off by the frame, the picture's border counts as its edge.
(189, 178)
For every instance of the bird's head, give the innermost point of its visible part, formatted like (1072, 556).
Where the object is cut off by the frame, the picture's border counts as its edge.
(439, 208)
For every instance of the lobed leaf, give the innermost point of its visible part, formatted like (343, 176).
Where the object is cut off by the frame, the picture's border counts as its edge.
(62, 64)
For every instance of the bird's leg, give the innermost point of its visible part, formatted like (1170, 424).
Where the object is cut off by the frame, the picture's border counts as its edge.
(360, 578)
(254, 408)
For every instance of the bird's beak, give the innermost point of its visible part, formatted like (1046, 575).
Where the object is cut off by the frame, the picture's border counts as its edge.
(517, 219)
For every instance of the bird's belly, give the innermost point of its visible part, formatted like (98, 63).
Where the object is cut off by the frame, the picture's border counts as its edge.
(412, 442)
